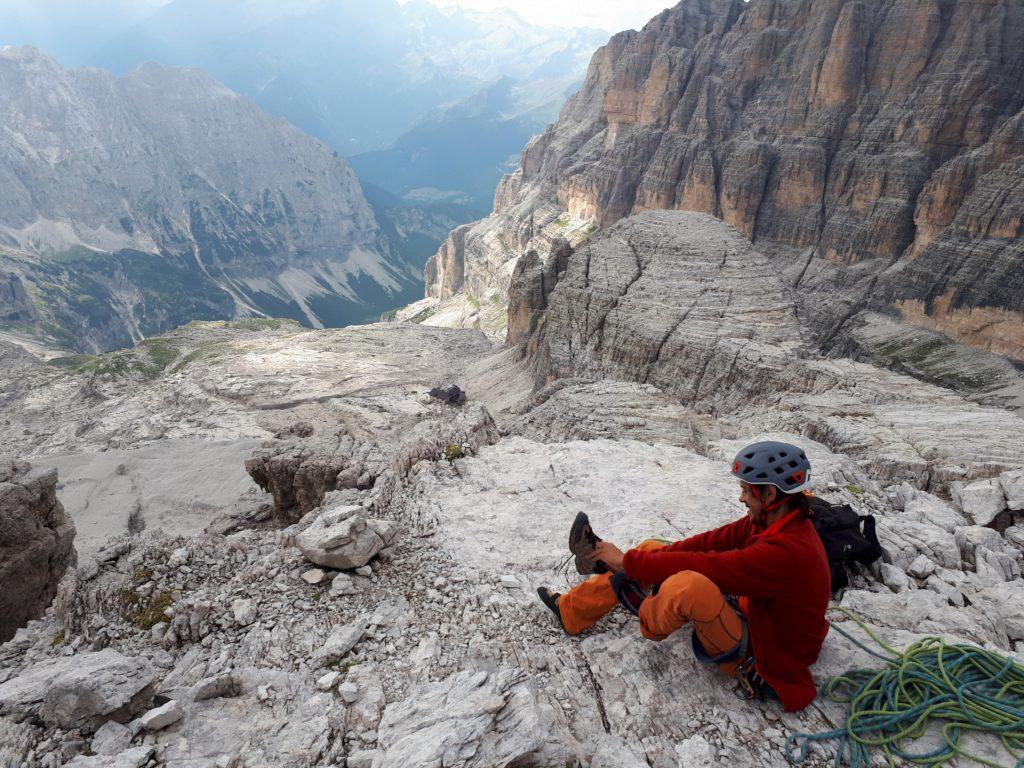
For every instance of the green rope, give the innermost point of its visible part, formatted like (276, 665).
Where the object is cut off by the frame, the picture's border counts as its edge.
(963, 687)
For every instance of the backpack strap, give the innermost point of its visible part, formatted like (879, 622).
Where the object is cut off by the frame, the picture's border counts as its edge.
(868, 525)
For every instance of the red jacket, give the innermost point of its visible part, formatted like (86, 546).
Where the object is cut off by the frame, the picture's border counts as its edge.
(783, 573)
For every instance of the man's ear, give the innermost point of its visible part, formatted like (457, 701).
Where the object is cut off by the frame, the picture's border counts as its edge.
(769, 494)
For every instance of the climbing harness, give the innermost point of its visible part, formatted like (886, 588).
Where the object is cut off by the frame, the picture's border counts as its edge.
(964, 687)
(629, 594)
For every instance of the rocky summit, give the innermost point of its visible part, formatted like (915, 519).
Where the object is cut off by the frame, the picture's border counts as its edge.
(133, 205)
(870, 149)
(292, 554)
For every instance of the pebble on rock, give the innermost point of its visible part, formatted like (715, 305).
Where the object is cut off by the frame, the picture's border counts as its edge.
(314, 576)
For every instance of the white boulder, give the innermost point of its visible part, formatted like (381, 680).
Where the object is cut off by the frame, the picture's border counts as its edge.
(340, 538)
(342, 639)
(980, 501)
(921, 567)
(1013, 489)
(694, 751)
(244, 611)
(326, 682)
(161, 717)
(314, 576)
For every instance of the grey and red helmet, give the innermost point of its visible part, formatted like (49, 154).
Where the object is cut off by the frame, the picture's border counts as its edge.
(771, 463)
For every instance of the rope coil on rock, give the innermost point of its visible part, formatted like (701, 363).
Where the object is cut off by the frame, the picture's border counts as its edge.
(963, 687)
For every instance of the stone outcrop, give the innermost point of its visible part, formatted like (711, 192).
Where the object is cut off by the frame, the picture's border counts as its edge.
(683, 302)
(300, 471)
(36, 543)
(533, 279)
(81, 692)
(872, 149)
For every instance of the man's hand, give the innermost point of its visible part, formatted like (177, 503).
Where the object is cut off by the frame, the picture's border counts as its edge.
(608, 554)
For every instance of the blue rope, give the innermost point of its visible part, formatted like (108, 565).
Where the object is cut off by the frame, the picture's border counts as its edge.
(962, 687)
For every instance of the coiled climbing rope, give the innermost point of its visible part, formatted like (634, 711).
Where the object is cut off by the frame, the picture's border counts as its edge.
(956, 688)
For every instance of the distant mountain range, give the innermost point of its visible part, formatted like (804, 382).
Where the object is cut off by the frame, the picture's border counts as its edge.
(132, 205)
(431, 105)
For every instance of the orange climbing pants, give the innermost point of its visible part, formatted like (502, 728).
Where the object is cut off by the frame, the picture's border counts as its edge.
(685, 597)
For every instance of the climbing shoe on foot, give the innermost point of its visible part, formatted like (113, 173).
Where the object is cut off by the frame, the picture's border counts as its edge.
(630, 594)
(550, 599)
(582, 541)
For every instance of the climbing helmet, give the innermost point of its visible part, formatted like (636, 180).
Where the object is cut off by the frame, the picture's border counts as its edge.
(773, 463)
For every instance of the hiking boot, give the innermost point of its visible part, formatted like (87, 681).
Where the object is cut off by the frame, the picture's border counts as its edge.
(550, 599)
(582, 541)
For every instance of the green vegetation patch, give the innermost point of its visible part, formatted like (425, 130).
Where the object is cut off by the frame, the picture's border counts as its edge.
(147, 361)
(161, 353)
(77, 254)
(73, 362)
(419, 317)
(144, 611)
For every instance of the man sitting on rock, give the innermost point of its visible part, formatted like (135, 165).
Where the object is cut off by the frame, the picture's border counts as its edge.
(755, 590)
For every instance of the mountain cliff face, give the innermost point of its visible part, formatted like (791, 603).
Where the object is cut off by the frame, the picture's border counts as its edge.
(135, 204)
(874, 149)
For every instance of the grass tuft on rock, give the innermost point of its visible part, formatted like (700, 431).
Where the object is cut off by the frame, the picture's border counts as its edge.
(144, 611)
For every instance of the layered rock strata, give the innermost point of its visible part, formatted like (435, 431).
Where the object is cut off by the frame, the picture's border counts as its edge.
(683, 302)
(872, 149)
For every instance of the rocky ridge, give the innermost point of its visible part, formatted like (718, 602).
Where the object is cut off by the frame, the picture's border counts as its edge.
(136, 204)
(380, 611)
(879, 169)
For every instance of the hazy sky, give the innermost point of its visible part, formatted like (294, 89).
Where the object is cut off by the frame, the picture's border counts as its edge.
(613, 15)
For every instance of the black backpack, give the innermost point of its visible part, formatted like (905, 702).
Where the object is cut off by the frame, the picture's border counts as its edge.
(847, 536)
